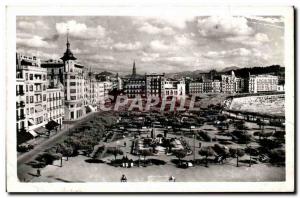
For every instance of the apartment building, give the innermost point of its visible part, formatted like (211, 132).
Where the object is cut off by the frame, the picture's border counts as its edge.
(172, 87)
(35, 84)
(153, 84)
(55, 104)
(262, 83)
(21, 119)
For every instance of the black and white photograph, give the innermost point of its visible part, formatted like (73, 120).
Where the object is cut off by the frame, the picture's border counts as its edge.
(145, 97)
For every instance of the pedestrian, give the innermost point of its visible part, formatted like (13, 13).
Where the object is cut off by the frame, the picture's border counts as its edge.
(123, 178)
(124, 144)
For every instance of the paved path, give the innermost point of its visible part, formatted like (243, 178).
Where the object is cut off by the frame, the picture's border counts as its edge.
(49, 142)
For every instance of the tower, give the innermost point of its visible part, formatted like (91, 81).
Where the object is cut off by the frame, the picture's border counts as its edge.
(133, 69)
(68, 58)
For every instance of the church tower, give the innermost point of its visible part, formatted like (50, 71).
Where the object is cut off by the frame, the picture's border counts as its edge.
(68, 58)
(133, 69)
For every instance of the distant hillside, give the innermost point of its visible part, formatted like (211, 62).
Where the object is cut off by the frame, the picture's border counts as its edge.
(273, 69)
(229, 69)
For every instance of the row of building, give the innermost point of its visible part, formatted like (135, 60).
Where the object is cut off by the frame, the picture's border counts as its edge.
(159, 85)
(65, 90)
(56, 90)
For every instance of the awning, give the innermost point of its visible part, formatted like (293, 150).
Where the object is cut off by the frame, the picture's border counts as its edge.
(51, 125)
(40, 130)
(91, 108)
(34, 134)
(30, 122)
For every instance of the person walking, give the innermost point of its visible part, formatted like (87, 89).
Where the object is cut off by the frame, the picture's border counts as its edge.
(123, 178)
(38, 172)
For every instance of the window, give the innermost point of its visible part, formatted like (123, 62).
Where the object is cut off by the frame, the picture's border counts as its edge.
(31, 77)
(44, 97)
(31, 99)
(72, 83)
(31, 88)
(27, 99)
(26, 75)
(44, 87)
(73, 97)
(26, 88)
(72, 90)
(72, 77)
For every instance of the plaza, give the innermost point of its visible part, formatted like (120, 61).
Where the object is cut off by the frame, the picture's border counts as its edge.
(119, 140)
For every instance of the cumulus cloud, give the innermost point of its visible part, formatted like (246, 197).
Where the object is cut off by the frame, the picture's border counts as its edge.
(183, 40)
(32, 25)
(178, 21)
(151, 29)
(40, 54)
(148, 57)
(228, 53)
(223, 26)
(257, 40)
(267, 19)
(127, 46)
(34, 41)
(158, 45)
(80, 30)
(101, 57)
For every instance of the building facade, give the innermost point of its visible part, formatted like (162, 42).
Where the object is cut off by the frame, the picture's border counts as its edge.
(262, 83)
(154, 84)
(21, 119)
(55, 104)
(35, 84)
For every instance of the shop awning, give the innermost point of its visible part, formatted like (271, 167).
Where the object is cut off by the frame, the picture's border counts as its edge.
(51, 125)
(30, 122)
(34, 134)
(40, 130)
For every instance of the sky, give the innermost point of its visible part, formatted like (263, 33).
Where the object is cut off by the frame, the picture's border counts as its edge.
(156, 44)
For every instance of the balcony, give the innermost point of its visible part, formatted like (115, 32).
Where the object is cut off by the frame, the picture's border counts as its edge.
(21, 117)
(22, 130)
(20, 93)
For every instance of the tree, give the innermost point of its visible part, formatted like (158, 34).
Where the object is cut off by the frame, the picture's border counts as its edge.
(180, 154)
(237, 153)
(115, 151)
(145, 153)
(206, 151)
(65, 150)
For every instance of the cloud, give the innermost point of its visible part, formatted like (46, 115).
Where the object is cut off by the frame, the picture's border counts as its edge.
(158, 45)
(34, 41)
(80, 30)
(256, 40)
(178, 21)
(101, 57)
(223, 26)
(151, 29)
(267, 19)
(39, 54)
(148, 57)
(228, 53)
(127, 46)
(32, 25)
(183, 40)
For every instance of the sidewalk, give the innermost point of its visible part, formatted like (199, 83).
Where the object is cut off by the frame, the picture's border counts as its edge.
(42, 145)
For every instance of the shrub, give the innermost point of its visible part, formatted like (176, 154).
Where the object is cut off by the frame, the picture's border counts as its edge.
(205, 136)
(277, 156)
(47, 158)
